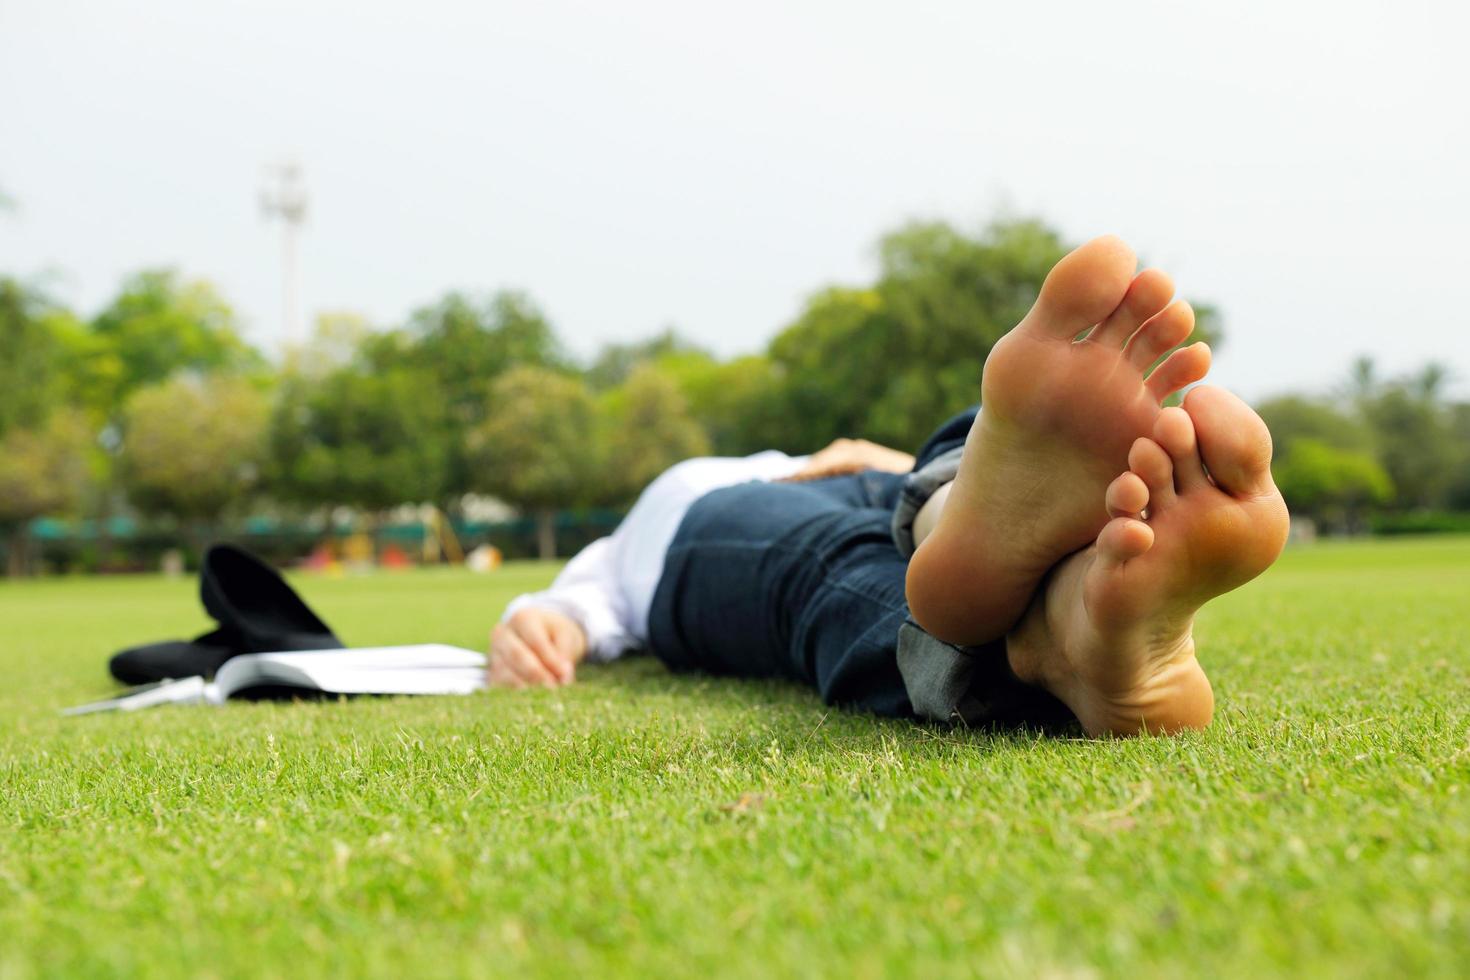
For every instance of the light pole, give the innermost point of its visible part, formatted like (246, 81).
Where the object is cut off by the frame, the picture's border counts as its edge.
(283, 195)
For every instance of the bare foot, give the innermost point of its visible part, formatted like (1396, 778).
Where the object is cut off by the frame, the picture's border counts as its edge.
(1058, 416)
(1111, 633)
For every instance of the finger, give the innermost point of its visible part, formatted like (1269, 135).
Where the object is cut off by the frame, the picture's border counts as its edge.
(497, 671)
(821, 471)
(499, 674)
(534, 633)
(570, 639)
(525, 664)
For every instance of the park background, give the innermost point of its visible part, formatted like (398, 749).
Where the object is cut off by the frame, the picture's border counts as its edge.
(548, 248)
(817, 232)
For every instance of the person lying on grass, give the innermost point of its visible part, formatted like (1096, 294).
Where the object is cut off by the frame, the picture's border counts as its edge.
(1062, 538)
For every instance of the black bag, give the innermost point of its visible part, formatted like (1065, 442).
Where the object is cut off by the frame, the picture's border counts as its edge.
(256, 610)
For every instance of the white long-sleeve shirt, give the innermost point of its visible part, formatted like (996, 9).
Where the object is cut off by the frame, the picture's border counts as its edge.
(608, 588)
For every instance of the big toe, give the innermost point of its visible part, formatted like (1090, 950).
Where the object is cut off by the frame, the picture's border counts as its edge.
(1083, 288)
(1234, 441)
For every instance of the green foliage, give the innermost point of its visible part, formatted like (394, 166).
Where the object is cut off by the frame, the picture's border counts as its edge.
(92, 374)
(646, 824)
(1459, 426)
(1294, 417)
(192, 447)
(738, 403)
(1413, 442)
(538, 450)
(373, 418)
(826, 363)
(30, 363)
(1421, 522)
(1333, 485)
(160, 324)
(465, 343)
(887, 361)
(339, 339)
(616, 362)
(45, 469)
(1418, 445)
(359, 439)
(645, 428)
(461, 344)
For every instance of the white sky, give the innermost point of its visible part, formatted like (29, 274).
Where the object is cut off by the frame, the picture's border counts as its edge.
(637, 164)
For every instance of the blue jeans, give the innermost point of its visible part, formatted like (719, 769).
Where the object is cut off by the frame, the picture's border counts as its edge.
(795, 580)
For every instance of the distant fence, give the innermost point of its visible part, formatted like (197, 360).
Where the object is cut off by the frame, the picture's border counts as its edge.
(126, 545)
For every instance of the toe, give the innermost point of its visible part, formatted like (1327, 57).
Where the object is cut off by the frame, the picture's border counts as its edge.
(1083, 288)
(1147, 295)
(1180, 370)
(1233, 440)
(1165, 331)
(1127, 496)
(1124, 539)
(1148, 460)
(1174, 430)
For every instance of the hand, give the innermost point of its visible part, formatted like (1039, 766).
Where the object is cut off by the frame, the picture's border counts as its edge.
(536, 647)
(852, 456)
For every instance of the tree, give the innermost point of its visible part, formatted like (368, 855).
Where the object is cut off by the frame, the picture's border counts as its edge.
(1332, 485)
(192, 449)
(1414, 443)
(888, 361)
(1294, 417)
(358, 438)
(537, 449)
(646, 428)
(835, 363)
(616, 362)
(738, 403)
(462, 344)
(160, 324)
(30, 364)
(43, 471)
(337, 340)
(1430, 382)
(1362, 381)
(466, 342)
(1459, 495)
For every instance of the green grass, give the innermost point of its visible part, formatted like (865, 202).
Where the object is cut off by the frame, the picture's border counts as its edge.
(644, 823)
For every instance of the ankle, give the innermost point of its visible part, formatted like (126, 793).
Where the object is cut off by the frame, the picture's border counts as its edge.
(1032, 647)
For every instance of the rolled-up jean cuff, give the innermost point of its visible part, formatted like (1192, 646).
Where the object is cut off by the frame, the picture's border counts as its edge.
(969, 685)
(918, 487)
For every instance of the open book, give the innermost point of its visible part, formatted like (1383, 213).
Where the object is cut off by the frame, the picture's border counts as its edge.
(429, 668)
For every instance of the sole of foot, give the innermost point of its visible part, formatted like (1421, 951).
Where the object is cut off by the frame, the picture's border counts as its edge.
(1063, 397)
(1195, 516)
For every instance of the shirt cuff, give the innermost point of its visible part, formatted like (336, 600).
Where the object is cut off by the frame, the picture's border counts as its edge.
(586, 606)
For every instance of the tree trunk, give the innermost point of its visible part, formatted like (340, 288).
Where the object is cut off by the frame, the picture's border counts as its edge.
(195, 540)
(104, 531)
(546, 534)
(15, 561)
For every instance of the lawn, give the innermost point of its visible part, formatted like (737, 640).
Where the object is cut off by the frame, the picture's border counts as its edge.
(644, 823)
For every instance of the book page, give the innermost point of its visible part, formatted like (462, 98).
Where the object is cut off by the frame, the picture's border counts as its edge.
(430, 668)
